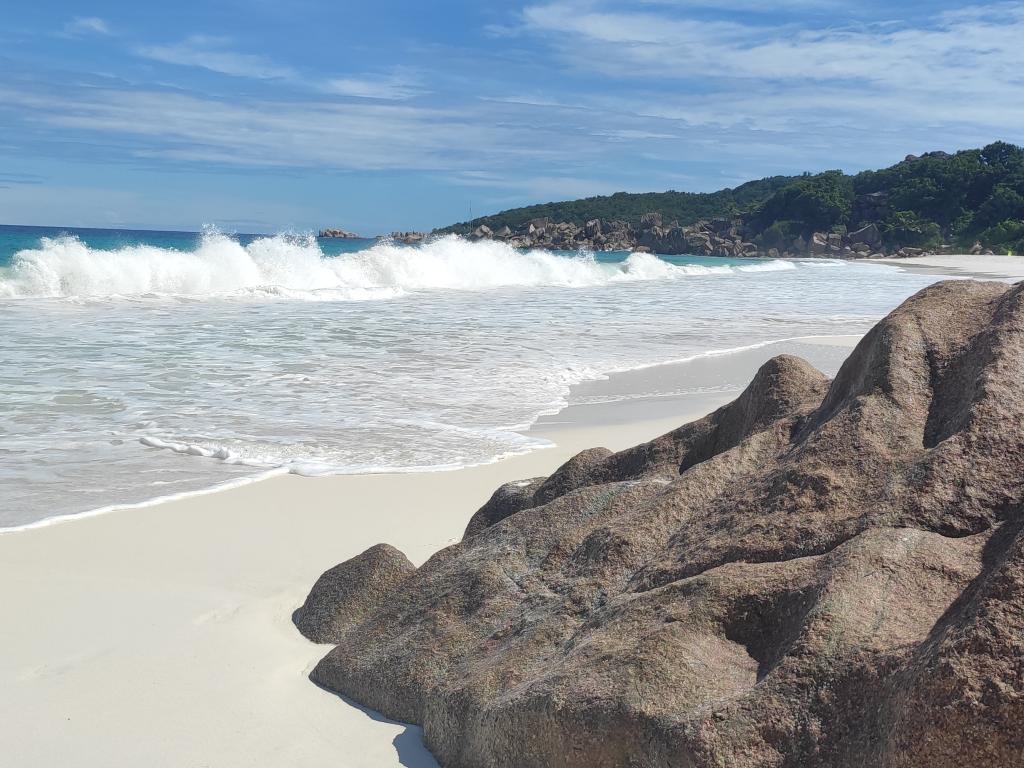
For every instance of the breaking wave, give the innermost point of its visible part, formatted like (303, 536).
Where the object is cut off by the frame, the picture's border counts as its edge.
(295, 267)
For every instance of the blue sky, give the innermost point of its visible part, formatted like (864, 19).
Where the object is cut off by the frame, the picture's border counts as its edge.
(265, 115)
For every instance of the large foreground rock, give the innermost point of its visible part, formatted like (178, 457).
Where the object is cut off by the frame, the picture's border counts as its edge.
(819, 574)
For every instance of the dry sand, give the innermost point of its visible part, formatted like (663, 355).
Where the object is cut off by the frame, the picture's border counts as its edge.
(984, 267)
(161, 636)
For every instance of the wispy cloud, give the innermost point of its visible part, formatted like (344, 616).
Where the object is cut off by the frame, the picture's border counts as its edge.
(955, 68)
(214, 54)
(751, 5)
(20, 178)
(968, 46)
(217, 54)
(9, 180)
(350, 136)
(397, 85)
(86, 25)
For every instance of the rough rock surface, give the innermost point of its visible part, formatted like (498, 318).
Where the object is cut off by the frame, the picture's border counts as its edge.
(733, 237)
(409, 238)
(342, 233)
(818, 574)
(349, 592)
(507, 500)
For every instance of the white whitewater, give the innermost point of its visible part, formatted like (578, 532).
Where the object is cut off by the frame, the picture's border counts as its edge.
(144, 372)
(296, 268)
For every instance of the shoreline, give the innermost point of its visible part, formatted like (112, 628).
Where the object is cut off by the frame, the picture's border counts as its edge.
(180, 611)
(961, 266)
(604, 380)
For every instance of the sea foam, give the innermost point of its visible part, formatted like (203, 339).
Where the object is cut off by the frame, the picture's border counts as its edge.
(295, 268)
(143, 371)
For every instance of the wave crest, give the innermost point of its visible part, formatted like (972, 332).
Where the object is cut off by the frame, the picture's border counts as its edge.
(293, 267)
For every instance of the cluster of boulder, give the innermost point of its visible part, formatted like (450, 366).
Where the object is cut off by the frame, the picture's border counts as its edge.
(595, 235)
(821, 573)
(342, 233)
(408, 238)
(735, 237)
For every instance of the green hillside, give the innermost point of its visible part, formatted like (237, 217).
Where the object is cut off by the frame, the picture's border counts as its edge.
(975, 195)
(686, 207)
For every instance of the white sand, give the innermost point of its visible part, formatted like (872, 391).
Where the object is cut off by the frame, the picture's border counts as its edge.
(162, 637)
(985, 267)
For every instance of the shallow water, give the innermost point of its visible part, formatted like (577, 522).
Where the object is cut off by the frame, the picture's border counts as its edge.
(137, 369)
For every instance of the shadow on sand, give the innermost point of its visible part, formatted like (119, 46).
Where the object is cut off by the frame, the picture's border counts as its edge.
(412, 752)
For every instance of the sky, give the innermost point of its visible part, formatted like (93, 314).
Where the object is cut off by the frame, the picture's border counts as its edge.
(265, 116)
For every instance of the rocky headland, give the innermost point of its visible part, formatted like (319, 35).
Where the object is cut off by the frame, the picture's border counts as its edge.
(735, 237)
(971, 201)
(821, 573)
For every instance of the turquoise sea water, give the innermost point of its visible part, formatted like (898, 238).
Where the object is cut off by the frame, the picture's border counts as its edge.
(15, 238)
(136, 365)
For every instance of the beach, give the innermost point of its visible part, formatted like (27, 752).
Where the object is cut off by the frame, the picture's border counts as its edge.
(563, 384)
(161, 635)
(979, 267)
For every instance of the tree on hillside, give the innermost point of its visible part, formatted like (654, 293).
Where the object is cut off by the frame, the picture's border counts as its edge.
(816, 203)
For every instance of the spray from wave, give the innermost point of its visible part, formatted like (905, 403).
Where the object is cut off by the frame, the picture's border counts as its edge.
(295, 267)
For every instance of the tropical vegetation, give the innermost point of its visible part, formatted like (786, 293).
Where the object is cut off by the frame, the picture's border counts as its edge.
(972, 196)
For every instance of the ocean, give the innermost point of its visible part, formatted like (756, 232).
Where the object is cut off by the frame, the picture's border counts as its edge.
(140, 365)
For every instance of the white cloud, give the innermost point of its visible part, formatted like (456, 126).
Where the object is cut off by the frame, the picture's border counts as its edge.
(216, 55)
(397, 85)
(751, 5)
(212, 53)
(960, 49)
(349, 136)
(86, 25)
(957, 69)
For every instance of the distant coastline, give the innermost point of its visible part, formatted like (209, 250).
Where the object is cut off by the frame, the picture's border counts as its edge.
(968, 202)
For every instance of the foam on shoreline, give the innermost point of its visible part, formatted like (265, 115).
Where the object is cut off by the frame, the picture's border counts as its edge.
(531, 442)
(47, 522)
